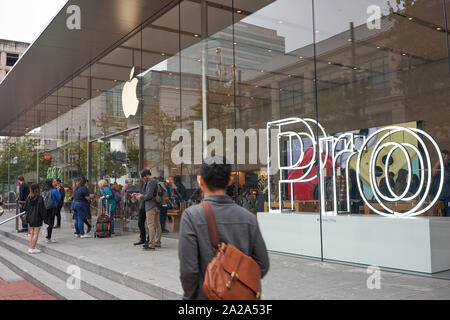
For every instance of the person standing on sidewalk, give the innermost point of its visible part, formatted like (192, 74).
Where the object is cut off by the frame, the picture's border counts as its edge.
(24, 191)
(108, 201)
(61, 190)
(141, 217)
(236, 226)
(50, 188)
(151, 210)
(81, 198)
(35, 208)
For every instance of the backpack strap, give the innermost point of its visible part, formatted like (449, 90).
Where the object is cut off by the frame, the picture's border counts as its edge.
(212, 226)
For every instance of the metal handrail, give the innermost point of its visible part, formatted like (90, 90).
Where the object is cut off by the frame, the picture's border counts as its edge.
(13, 217)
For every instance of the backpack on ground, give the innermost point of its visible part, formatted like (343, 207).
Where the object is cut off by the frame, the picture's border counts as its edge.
(162, 195)
(231, 274)
(47, 195)
(103, 226)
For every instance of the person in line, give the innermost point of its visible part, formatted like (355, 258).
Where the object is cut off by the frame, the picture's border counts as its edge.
(108, 201)
(445, 193)
(61, 190)
(117, 197)
(145, 176)
(89, 214)
(24, 191)
(164, 206)
(180, 190)
(35, 208)
(383, 186)
(50, 189)
(151, 210)
(81, 198)
(400, 184)
(236, 226)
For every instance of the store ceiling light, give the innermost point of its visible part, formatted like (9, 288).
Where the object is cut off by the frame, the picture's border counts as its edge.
(196, 35)
(438, 29)
(410, 18)
(239, 11)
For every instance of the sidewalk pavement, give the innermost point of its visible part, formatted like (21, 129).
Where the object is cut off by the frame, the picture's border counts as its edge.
(288, 278)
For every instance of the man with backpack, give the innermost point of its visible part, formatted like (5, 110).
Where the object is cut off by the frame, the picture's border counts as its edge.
(233, 225)
(51, 198)
(148, 197)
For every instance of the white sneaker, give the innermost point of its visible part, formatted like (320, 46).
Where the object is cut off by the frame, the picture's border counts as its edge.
(36, 250)
(50, 240)
(85, 236)
(77, 235)
(30, 251)
(26, 235)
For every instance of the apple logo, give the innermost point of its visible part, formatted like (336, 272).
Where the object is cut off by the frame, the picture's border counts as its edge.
(130, 102)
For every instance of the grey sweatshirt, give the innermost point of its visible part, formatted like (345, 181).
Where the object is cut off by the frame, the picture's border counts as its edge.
(235, 224)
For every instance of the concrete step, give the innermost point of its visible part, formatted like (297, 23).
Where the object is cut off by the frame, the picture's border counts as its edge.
(40, 278)
(91, 283)
(126, 279)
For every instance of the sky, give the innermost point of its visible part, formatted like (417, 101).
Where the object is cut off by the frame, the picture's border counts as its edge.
(24, 20)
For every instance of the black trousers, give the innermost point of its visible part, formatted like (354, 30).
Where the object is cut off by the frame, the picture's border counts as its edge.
(141, 224)
(50, 221)
(58, 215)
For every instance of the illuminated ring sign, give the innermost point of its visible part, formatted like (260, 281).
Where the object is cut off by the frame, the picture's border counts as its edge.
(408, 150)
(378, 141)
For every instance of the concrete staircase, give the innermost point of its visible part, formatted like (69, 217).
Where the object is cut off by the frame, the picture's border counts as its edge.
(48, 271)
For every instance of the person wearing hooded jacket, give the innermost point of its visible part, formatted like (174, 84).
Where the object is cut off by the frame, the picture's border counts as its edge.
(49, 217)
(35, 211)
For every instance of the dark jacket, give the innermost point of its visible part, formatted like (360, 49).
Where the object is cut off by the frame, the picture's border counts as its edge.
(63, 195)
(235, 224)
(35, 211)
(148, 196)
(24, 191)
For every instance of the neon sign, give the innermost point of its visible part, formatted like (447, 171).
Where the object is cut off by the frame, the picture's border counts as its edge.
(309, 166)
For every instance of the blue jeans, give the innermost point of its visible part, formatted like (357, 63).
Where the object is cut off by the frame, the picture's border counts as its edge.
(80, 210)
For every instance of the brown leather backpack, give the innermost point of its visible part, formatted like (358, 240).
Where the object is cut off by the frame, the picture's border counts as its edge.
(231, 274)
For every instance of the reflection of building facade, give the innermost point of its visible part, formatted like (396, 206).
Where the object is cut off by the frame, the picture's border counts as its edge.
(195, 66)
(253, 46)
(10, 52)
